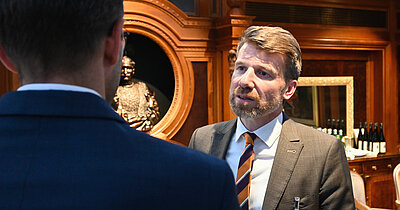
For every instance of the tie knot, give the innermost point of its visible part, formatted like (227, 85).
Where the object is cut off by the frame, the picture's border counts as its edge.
(249, 137)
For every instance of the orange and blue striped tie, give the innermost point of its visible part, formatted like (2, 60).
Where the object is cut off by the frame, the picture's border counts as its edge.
(243, 175)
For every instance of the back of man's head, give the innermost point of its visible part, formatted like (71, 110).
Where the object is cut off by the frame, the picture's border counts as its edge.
(54, 35)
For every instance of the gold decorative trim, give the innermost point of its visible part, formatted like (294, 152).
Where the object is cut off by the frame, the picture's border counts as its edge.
(336, 81)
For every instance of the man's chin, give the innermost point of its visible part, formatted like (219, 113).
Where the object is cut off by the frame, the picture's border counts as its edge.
(247, 112)
(244, 113)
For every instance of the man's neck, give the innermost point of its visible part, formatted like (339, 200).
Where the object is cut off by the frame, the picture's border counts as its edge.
(83, 78)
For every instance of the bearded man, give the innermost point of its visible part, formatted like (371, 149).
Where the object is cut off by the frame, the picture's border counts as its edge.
(277, 163)
(62, 146)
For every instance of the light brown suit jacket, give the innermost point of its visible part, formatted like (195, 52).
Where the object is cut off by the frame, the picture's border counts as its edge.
(308, 164)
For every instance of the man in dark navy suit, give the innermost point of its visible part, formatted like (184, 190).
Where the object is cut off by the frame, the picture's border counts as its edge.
(61, 144)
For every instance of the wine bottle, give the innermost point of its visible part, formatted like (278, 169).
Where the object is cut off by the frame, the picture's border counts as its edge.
(334, 128)
(382, 141)
(343, 127)
(374, 138)
(370, 136)
(340, 137)
(365, 139)
(329, 127)
(360, 137)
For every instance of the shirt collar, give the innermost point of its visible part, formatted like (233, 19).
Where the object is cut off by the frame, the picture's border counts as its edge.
(54, 86)
(268, 133)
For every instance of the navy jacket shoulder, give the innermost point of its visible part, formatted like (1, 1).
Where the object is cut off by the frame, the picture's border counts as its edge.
(62, 149)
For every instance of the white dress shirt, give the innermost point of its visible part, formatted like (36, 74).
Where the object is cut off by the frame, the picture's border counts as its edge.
(264, 152)
(55, 86)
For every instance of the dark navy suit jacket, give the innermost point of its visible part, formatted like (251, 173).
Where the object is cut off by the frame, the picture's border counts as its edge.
(63, 149)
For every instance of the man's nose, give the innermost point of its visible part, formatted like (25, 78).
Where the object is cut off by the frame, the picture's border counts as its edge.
(247, 79)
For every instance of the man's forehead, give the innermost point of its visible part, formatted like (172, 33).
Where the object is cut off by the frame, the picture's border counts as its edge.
(257, 50)
(252, 51)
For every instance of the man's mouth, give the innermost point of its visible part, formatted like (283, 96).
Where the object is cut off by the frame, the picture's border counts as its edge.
(245, 98)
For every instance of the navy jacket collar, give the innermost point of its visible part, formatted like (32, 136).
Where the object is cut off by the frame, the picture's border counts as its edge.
(57, 104)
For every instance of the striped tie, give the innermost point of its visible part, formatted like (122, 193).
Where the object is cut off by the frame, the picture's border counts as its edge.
(243, 176)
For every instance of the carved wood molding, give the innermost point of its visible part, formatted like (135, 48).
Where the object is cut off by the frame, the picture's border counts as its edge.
(335, 37)
(169, 8)
(229, 29)
(179, 36)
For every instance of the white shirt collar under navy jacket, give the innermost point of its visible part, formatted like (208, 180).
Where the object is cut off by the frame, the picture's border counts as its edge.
(55, 86)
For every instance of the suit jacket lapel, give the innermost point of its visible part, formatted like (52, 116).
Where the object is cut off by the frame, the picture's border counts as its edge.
(222, 139)
(287, 154)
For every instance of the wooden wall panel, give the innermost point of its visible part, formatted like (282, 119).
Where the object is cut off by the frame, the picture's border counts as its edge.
(198, 114)
(3, 80)
(8, 80)
(398, 79)
(367, 69)
(357, 69)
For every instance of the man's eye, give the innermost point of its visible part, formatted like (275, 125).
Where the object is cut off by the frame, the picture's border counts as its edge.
(240, 68)
(263, 74)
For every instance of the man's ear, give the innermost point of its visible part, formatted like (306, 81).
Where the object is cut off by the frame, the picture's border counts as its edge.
(6, 61)
(113, 44)
(290, 89)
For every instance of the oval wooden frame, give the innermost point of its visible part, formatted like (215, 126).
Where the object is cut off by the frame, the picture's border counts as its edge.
(172, 30)
(177, 113)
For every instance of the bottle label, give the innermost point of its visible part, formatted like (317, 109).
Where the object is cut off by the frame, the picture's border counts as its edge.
(382, 147)
(375, 147)
(360, 144)
(365, 147)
